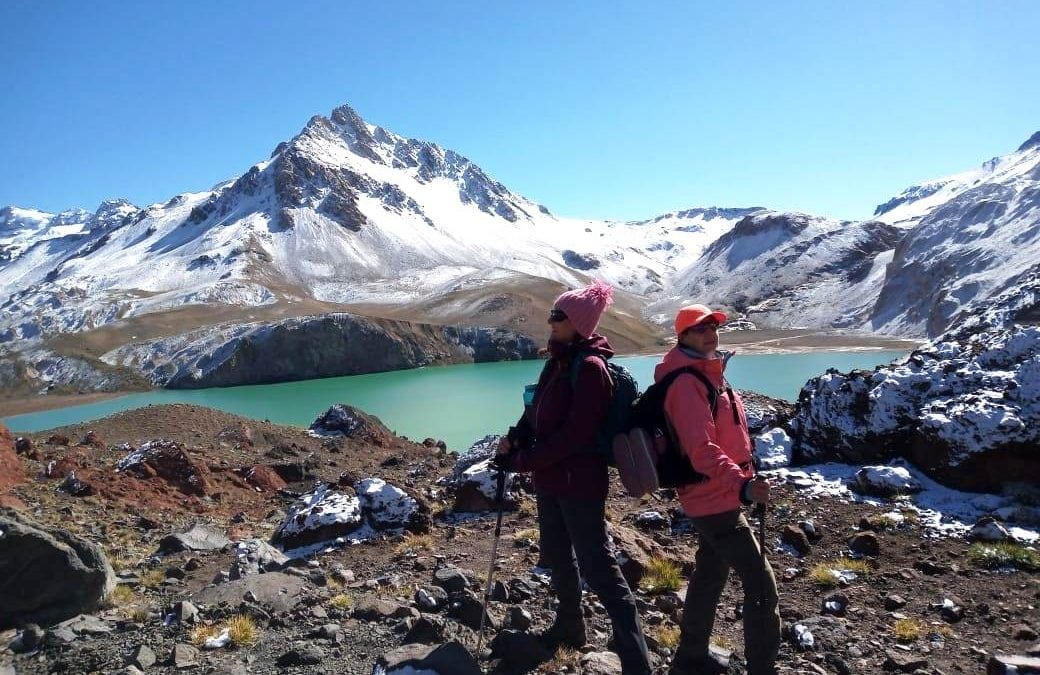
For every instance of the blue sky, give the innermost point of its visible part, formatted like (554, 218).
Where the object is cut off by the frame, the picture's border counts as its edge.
(605, 110)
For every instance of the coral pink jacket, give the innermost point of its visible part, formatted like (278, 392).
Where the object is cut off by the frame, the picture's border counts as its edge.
(720, 448)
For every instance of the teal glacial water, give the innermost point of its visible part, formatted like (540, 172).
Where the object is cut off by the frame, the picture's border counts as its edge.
(459, 404)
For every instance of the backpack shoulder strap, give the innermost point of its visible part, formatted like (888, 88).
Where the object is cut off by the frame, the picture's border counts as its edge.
(713, 393)
(579, 358)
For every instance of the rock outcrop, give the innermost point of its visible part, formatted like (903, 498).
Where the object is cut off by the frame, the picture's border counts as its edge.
(330, 345)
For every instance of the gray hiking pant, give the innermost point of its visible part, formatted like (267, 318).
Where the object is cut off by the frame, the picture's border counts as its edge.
(726, 542)
(572, 527)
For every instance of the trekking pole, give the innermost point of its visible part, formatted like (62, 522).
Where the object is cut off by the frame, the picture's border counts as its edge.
(500, 491)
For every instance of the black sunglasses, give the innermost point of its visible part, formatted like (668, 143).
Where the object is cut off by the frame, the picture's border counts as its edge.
(703, 327)
(557, 315)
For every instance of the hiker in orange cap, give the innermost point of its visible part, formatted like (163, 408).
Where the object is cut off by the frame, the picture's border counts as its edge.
(711, 428)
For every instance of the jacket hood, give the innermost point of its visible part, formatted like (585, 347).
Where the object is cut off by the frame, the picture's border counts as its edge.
(679, 358)
(595, 344)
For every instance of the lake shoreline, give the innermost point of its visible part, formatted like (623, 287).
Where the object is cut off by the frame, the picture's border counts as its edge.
(743, 342)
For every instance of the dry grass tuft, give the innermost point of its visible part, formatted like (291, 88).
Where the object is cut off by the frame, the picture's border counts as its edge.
(243, 630)
(199, 634)
(342, 601)
(121, 596)
(414, 543)
(826, 574)
(722, 642)
(668, 636)
(907, 630)
(525, 537)
(565, 659)
(152, 578)
(662, 575)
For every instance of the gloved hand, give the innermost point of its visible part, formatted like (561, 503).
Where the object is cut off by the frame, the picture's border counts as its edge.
(500, 462)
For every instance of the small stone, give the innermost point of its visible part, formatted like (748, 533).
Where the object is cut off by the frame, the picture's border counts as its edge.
(519, 619)
(600, 663)
(185, 612)
(142, 657)
(28, 640)
(865, 543)
(175, 573)
(192, 564)
(903, 663)
(431, 599)
(894, 602)
(1023, 632)
(932, 567)
(836, 604)
(450, 579)
(301, 655)
(184, 656)
(795, 538)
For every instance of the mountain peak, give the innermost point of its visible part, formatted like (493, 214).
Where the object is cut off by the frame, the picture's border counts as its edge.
(1033, 142)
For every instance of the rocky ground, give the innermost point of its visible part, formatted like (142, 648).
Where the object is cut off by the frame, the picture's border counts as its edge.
(914, 602)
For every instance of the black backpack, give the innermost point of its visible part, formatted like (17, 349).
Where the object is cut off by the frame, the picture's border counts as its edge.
(624, 392)
(635, 446)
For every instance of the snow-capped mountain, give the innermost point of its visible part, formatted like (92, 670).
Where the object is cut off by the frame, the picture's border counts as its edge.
(791, 270)
(977, 236)
(350, 216)
(344, 213)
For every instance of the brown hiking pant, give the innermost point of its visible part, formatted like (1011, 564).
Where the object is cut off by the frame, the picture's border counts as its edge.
(726, 542)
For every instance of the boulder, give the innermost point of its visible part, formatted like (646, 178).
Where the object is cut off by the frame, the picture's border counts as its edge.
(266, 478)
(11, 470)
(478, 487)
(350, 422)
(885, 481)
(47, 576)
(520, 652)
(633, 551)
(388, 507)
(450, 658)
(600, 663)
(168, 461)
(1004, 664)
(196, 538)
(964, 408)
(319, 516)
(277, 590)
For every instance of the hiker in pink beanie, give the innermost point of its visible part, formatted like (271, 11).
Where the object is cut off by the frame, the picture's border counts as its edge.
(555, 439)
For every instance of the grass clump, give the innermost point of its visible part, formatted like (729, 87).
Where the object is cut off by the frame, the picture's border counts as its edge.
(827, 575)
(1004, 554)
(343, 601)
(565, 659)
(662, 575)
(152, 578)
(199, 634)
(668, 636)
(413, 543)
(243, 630)
(121, 596)
(907, 630)
(525, 509)
(525, 537)
(722, 642)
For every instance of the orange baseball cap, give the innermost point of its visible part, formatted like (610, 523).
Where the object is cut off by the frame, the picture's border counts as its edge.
(691, 315)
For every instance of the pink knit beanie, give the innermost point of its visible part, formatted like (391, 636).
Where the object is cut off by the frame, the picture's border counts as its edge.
(584, 306)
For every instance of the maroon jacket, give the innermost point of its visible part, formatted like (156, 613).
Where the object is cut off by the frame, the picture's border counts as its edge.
(557, 432)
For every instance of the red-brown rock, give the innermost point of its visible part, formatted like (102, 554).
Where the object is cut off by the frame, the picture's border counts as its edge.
(265, 478)
(11, 470)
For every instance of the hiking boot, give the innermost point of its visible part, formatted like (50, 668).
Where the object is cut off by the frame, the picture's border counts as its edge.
(567, 631)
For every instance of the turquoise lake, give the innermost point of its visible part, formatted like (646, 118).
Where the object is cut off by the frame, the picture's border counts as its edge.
(459, 404)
